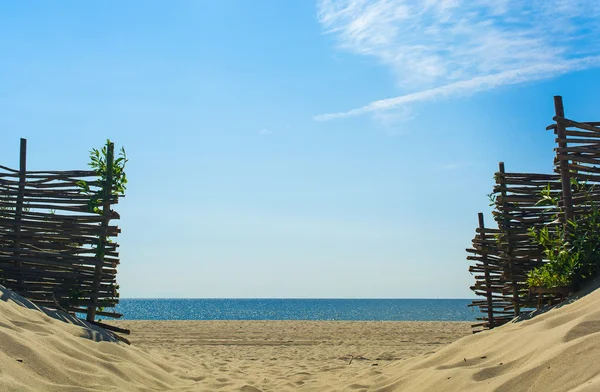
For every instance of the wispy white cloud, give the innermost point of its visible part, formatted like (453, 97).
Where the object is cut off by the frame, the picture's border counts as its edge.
(393, 122)
(264, 132)
(438, 48)
(479, 83)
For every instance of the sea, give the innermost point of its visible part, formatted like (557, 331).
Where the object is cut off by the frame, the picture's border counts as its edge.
(298, 309)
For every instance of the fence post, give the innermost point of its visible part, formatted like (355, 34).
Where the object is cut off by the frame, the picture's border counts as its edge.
(565, 175)
(19, 213)
(106, 215)
(486, 272)
(506, 224)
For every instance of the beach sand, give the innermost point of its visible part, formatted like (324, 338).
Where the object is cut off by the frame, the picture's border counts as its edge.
(555, 351)
(287, 355)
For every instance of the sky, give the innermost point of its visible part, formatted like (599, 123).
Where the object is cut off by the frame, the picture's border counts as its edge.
(297, 149)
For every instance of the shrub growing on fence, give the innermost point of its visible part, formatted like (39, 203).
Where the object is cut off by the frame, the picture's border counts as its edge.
(571, 248)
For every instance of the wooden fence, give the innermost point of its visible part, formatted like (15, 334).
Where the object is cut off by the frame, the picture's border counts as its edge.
(54, 250)
(504, 255)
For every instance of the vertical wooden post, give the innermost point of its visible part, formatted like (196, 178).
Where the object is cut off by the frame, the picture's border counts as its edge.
(19, 212)
(565, 175)
(106, 214)
(486, 272)
(509, 248)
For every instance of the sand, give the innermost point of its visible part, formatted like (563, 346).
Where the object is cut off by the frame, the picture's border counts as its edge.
(554, 351)
(287, 355)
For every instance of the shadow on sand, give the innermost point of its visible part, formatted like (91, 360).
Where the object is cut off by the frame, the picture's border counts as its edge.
(586, 289)
(88, 331)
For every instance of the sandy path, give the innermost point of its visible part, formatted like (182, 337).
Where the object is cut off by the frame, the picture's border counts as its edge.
(283, 355)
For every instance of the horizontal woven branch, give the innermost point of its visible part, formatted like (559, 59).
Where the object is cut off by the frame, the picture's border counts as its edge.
(48, 239)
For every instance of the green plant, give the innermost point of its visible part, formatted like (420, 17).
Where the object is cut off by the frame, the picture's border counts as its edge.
(99, 162)
(562, 264)
(492, 197)
(571, 249)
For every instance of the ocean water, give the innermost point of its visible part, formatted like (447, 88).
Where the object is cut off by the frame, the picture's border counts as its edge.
(298, 309)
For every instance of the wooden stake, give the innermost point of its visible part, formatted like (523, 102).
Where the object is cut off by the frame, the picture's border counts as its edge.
(490, 309)
(19, 210)
(106, 215)
(565, 175)
(505, 212)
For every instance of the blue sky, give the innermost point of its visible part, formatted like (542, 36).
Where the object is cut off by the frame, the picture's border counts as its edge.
(297, 149)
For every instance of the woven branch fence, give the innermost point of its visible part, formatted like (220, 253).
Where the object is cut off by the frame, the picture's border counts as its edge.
(53, 249)
(504, 255)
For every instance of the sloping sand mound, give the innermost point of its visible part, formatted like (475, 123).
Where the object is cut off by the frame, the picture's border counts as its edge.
(42, 350)
(555, 351)
(51, 351)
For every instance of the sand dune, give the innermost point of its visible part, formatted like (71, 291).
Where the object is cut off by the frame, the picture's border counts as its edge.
(41, 350)
(555, 351)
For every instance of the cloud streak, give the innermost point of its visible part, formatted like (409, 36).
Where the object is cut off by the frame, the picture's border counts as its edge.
(438, 48)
